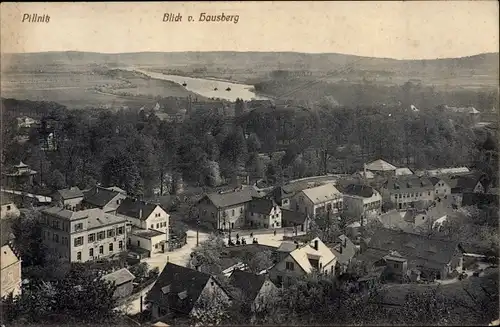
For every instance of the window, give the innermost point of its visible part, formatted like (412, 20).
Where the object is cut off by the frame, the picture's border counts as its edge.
(429, 193)
(436, 191)
(78, 256)
(78, 227)
(241, 210)
(91, 252)
(396, 265)
(289, 265)
(152, 225)
(101, 249)
(110, 247)
(119, 231)
(157, 225)
(56, 238)
(91, 238)
(232, 212)
(111, 232)
(78, 241)
(8, 208)
(139, 243)
(101, 235)
(156, 245)
(120, 245)
(118, 201)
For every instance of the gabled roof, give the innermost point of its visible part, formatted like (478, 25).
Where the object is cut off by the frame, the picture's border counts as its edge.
(410, 183)
(380, 165)
(135, 208)
(464, 183)
(348, 250)
(70, 193)
(305, 252)
(119, 277)
(248, 283)
(100, 196)
(403, 171)
(261, 205)
(176, 280)
(8, 256)
(232, 198)
(287, 246)
(323, 193)
(290, 217)
(418, 248)
(364, 191)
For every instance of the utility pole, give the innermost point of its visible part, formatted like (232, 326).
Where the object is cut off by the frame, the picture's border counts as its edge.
(197, 230)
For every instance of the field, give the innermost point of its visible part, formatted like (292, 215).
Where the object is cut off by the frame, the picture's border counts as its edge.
(86, 89)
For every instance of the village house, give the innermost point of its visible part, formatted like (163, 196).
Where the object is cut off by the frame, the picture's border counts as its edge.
(408, 254)
(344, 250)
(123, 280)
(361, 200)
(145, 215)
(83, 235)
(298, 220)
(151, 240)
(264, 213)
(406, 191)
(251, 289)
(282, 195)
(441, 187)
(465, 183)
(8, 209)
(106, 198)
(179, 291)
(70, 198)
(10, 271)
(226, 210)
(18, 175)
(317, 200)
(299, 260)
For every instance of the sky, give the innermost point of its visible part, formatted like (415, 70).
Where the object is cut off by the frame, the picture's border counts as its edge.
(401, 30)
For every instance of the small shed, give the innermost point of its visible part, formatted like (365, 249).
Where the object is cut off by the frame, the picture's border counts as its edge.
(123, 280)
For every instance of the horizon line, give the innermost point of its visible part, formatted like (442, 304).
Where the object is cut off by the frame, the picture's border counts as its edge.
(250, 51)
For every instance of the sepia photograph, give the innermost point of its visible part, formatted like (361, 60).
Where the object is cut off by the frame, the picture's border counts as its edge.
(274, 163)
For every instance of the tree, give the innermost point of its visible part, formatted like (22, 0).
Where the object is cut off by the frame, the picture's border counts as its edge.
(211, 308)
(235, 146)
(253, 143)
(27, 232)
(120, 170)
(206, 256)
(260, 261)
(212, 173)
(56, 181)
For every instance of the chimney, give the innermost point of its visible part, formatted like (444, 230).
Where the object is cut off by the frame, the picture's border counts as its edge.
(340, 248)
(140, 213)
(345, 242)
(316, 245)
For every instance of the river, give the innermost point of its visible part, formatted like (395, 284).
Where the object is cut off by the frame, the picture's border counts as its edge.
(209, 88)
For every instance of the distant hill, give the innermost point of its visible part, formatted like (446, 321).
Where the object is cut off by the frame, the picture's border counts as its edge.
(486, 63)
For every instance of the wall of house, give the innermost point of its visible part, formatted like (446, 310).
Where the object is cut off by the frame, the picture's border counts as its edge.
(152, 244)
(234, 216)
(208, 213)
(9, 210)
(11, 279)
(356, 205)
(280, 270)
(72, 204)
(441, 189)
(301, 203)
(158, 220)
(403, 199)
(271, 220)
(84, 249)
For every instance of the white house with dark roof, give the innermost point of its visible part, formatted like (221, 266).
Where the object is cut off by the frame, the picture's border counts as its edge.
(144, 215)
(303, 260)
(225, 210)
(263, 213)
(317, 200)
(83, 235)
(69, 198)
(361, 200)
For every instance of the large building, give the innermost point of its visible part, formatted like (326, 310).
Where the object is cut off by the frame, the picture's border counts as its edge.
(84, 235)
(226, 210)
(361, 200)
(317, 200)
(406, 191)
